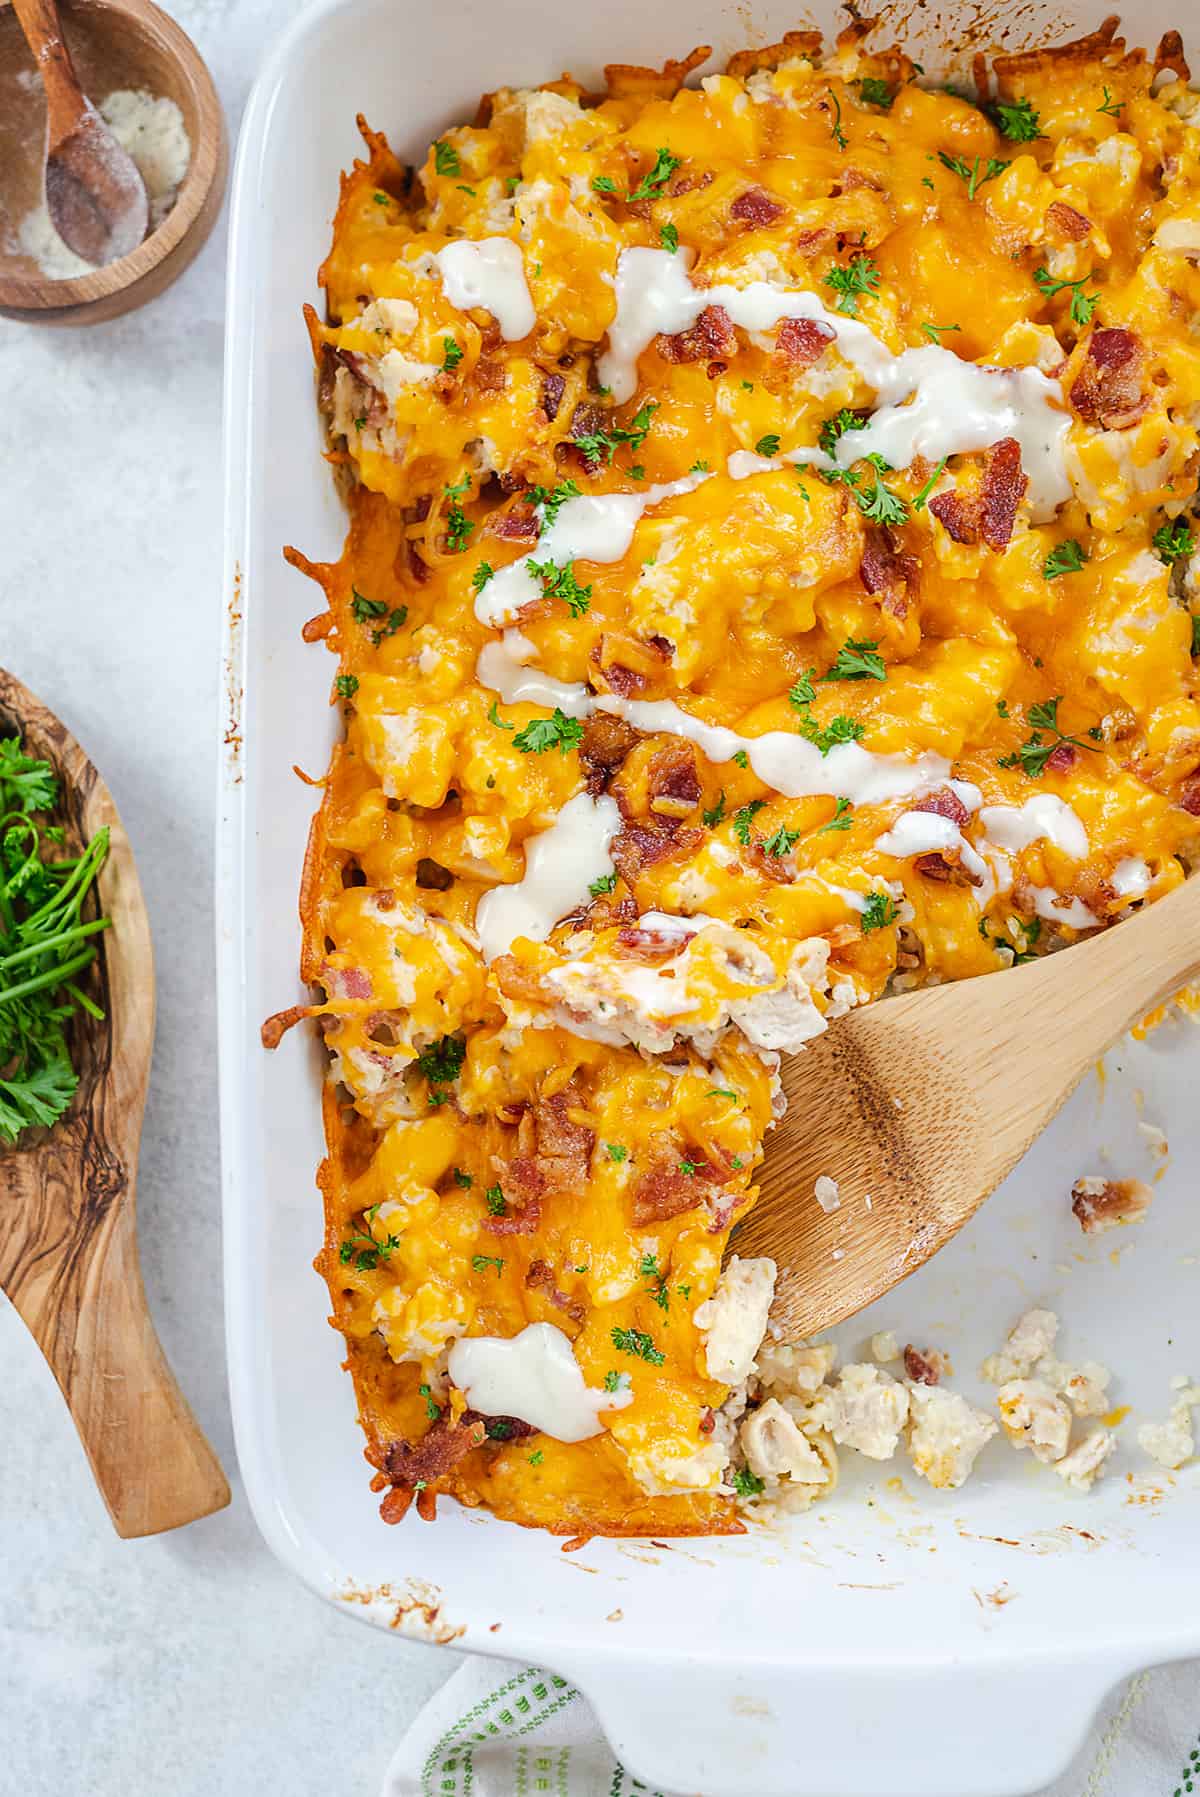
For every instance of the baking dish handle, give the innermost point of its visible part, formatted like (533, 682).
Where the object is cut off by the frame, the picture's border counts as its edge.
(846, 1731)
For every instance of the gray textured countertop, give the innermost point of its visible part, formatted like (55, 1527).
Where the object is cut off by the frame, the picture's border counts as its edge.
(192, 1662)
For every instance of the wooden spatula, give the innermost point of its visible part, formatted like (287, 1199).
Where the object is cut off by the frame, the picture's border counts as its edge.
(95, 196)
(922, 1103)
(68, 1244)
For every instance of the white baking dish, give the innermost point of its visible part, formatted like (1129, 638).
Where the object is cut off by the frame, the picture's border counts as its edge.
(867, 1649)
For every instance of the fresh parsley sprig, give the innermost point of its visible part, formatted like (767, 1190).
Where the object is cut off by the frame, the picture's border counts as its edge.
(851, 280)
(973, 173)
(1083, 305)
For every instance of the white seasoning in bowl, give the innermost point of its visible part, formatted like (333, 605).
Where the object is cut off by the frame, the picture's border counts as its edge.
(153, 132)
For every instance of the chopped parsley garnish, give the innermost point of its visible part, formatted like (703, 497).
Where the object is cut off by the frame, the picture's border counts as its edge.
(346, 685)
(1173, 541)
(744, 818)
(496, 1202)
(604, 883)
(841, 819)
(396, 618)
(649, 1267)
(559, 582)
(595, 445)
(835, 129)
(463, 1179)
(361, 609)
(840, 729)
(651, 186)
(699, 467)
(802, 692)
(616, 1151)
(1196, 634)
(432, 1410)
(541, 734)
(441, 1062)
(881, 505)
(919, 501)
(603, 184)
(1017, 120)
(714, 813)
(482, 575)
(1036, 751)
(459, 527)
(935, 332)
(1026, 941)
(783, 841)
(857, 661)
(537, 1456)
(612, 1381)
(511, 184)
(445, 158)
(835, 427)
(875, 92)
(741, 758)
(481, 1262)
(669, 238)
(1083, 305)
(688, 1168)
(368, 1257)
(452, 354)
(721, 1092)
(767, 446)
(463, 188)
(381, 199)
(859, 276)
(973, 173)
(551, 501)
(495, 718)
(747, 1484)
(878, 912)
(1067, 558)
(637, 1343)
(1111, 107)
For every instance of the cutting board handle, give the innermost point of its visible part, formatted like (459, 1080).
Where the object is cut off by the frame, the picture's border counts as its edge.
(153, 1465)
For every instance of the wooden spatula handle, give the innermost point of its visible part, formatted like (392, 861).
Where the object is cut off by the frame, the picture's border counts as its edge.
(43, 33)
(154, 1468)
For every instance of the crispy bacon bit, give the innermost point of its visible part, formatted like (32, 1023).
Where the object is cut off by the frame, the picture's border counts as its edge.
(587, 419)
(1061, 758)
(540, 1277)
(923, 1368)
(665, 1192)
(407, 1462)
(489, 376)
(606, 742)
(625, 681)
(517, 524)
(672, 781)
(650, 945)
(711, 335)
(346, 982)
(802, 341)
(500, 1428)
(773, 867)
(886, 571)
(638, 846)
(1189, 795)
(990, 515)
(1067, 222)
(564, 1148)
(525, 1221)
(521, 1181)
(1108, 387)
(276, 1028)
(417, 565)
(946, 803)
(1101, 1204)
(945, 867)
(807, 243)
(755, 208)
(553, 388)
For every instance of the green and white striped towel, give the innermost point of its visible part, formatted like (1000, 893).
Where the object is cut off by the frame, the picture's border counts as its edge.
(499, 1730)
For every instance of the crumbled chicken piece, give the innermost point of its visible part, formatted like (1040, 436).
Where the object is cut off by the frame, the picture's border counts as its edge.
(865, 1410)
(1101, 1204)
(946, 1436)
(792, 1370)
(734, 1319)
(885, 1346)
(1172, 1442)
(1031, 1337)
(1084, 1464)
(776, 1448)
(827, 1194)
(1033, 1417)
(1085, 1387)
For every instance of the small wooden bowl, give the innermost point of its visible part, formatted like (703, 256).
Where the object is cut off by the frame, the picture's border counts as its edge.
(115, 44)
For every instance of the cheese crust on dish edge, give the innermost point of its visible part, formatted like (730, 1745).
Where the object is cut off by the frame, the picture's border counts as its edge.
(771, 582)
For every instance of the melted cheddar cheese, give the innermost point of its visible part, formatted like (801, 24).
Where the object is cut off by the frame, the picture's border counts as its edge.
(674, 725)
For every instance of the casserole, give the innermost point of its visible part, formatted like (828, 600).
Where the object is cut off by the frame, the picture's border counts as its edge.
(687, 1658)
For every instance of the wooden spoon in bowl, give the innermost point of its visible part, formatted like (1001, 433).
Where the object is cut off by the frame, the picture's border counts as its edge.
(68, 1243)
(921, 1104)
(95, 196)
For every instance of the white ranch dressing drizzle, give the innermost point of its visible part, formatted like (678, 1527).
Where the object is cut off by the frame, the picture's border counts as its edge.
(923, 833)
(1055, 909)
(956, 406)
(560, 864)
(1131, 878)
(489, 272)
(1046, 816)
(534, 1376)
(593, 528)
